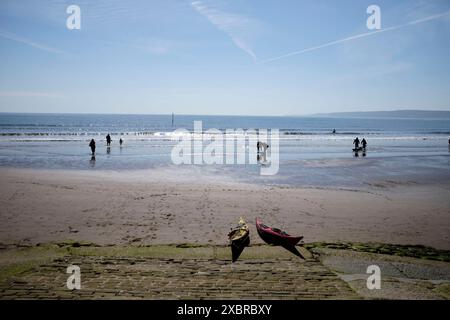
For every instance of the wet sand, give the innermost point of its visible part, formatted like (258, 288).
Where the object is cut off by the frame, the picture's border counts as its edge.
(151, 207)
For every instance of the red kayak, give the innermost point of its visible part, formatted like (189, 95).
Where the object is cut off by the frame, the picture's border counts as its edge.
(278, 237)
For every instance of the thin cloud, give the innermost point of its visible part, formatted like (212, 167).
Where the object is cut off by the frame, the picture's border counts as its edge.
(358, 36)
(29, 42)
(232, 24)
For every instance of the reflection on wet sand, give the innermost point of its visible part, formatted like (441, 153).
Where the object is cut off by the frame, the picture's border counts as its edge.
(92, 161)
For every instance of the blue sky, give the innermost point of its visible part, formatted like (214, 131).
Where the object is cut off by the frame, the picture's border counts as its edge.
(223, 57)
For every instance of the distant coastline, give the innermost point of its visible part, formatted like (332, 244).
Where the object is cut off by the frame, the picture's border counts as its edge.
(399, 114)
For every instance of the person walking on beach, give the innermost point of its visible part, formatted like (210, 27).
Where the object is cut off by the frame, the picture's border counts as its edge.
(262, 146)
(364, 143)
(92, 145)
(334, 131)
(356, 143)
(120, 141)
(108, 140)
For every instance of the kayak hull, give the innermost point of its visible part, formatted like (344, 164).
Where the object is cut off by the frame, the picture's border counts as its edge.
(276, 237)
(239, 239)
(237, 247)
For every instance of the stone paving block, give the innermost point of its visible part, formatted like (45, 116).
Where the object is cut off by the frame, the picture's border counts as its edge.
(150, 278)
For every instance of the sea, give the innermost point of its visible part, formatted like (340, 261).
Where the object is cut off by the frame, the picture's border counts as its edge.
(310, 154)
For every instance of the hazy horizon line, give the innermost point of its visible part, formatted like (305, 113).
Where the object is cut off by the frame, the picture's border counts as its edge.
(228, 115)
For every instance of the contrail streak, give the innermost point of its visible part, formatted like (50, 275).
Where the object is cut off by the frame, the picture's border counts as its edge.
(362, 35)
(31, 43)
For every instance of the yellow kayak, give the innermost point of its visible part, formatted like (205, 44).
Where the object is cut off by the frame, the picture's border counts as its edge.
(239, 239)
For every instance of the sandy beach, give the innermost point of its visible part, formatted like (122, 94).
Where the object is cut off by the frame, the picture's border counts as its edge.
(155, 207)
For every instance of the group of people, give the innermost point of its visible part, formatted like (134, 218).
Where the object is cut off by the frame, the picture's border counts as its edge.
(363, 143)
(358, 142)
(108, 143)
(261, 146)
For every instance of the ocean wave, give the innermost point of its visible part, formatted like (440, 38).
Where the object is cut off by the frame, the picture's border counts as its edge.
(246, 132)
(177, 136)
